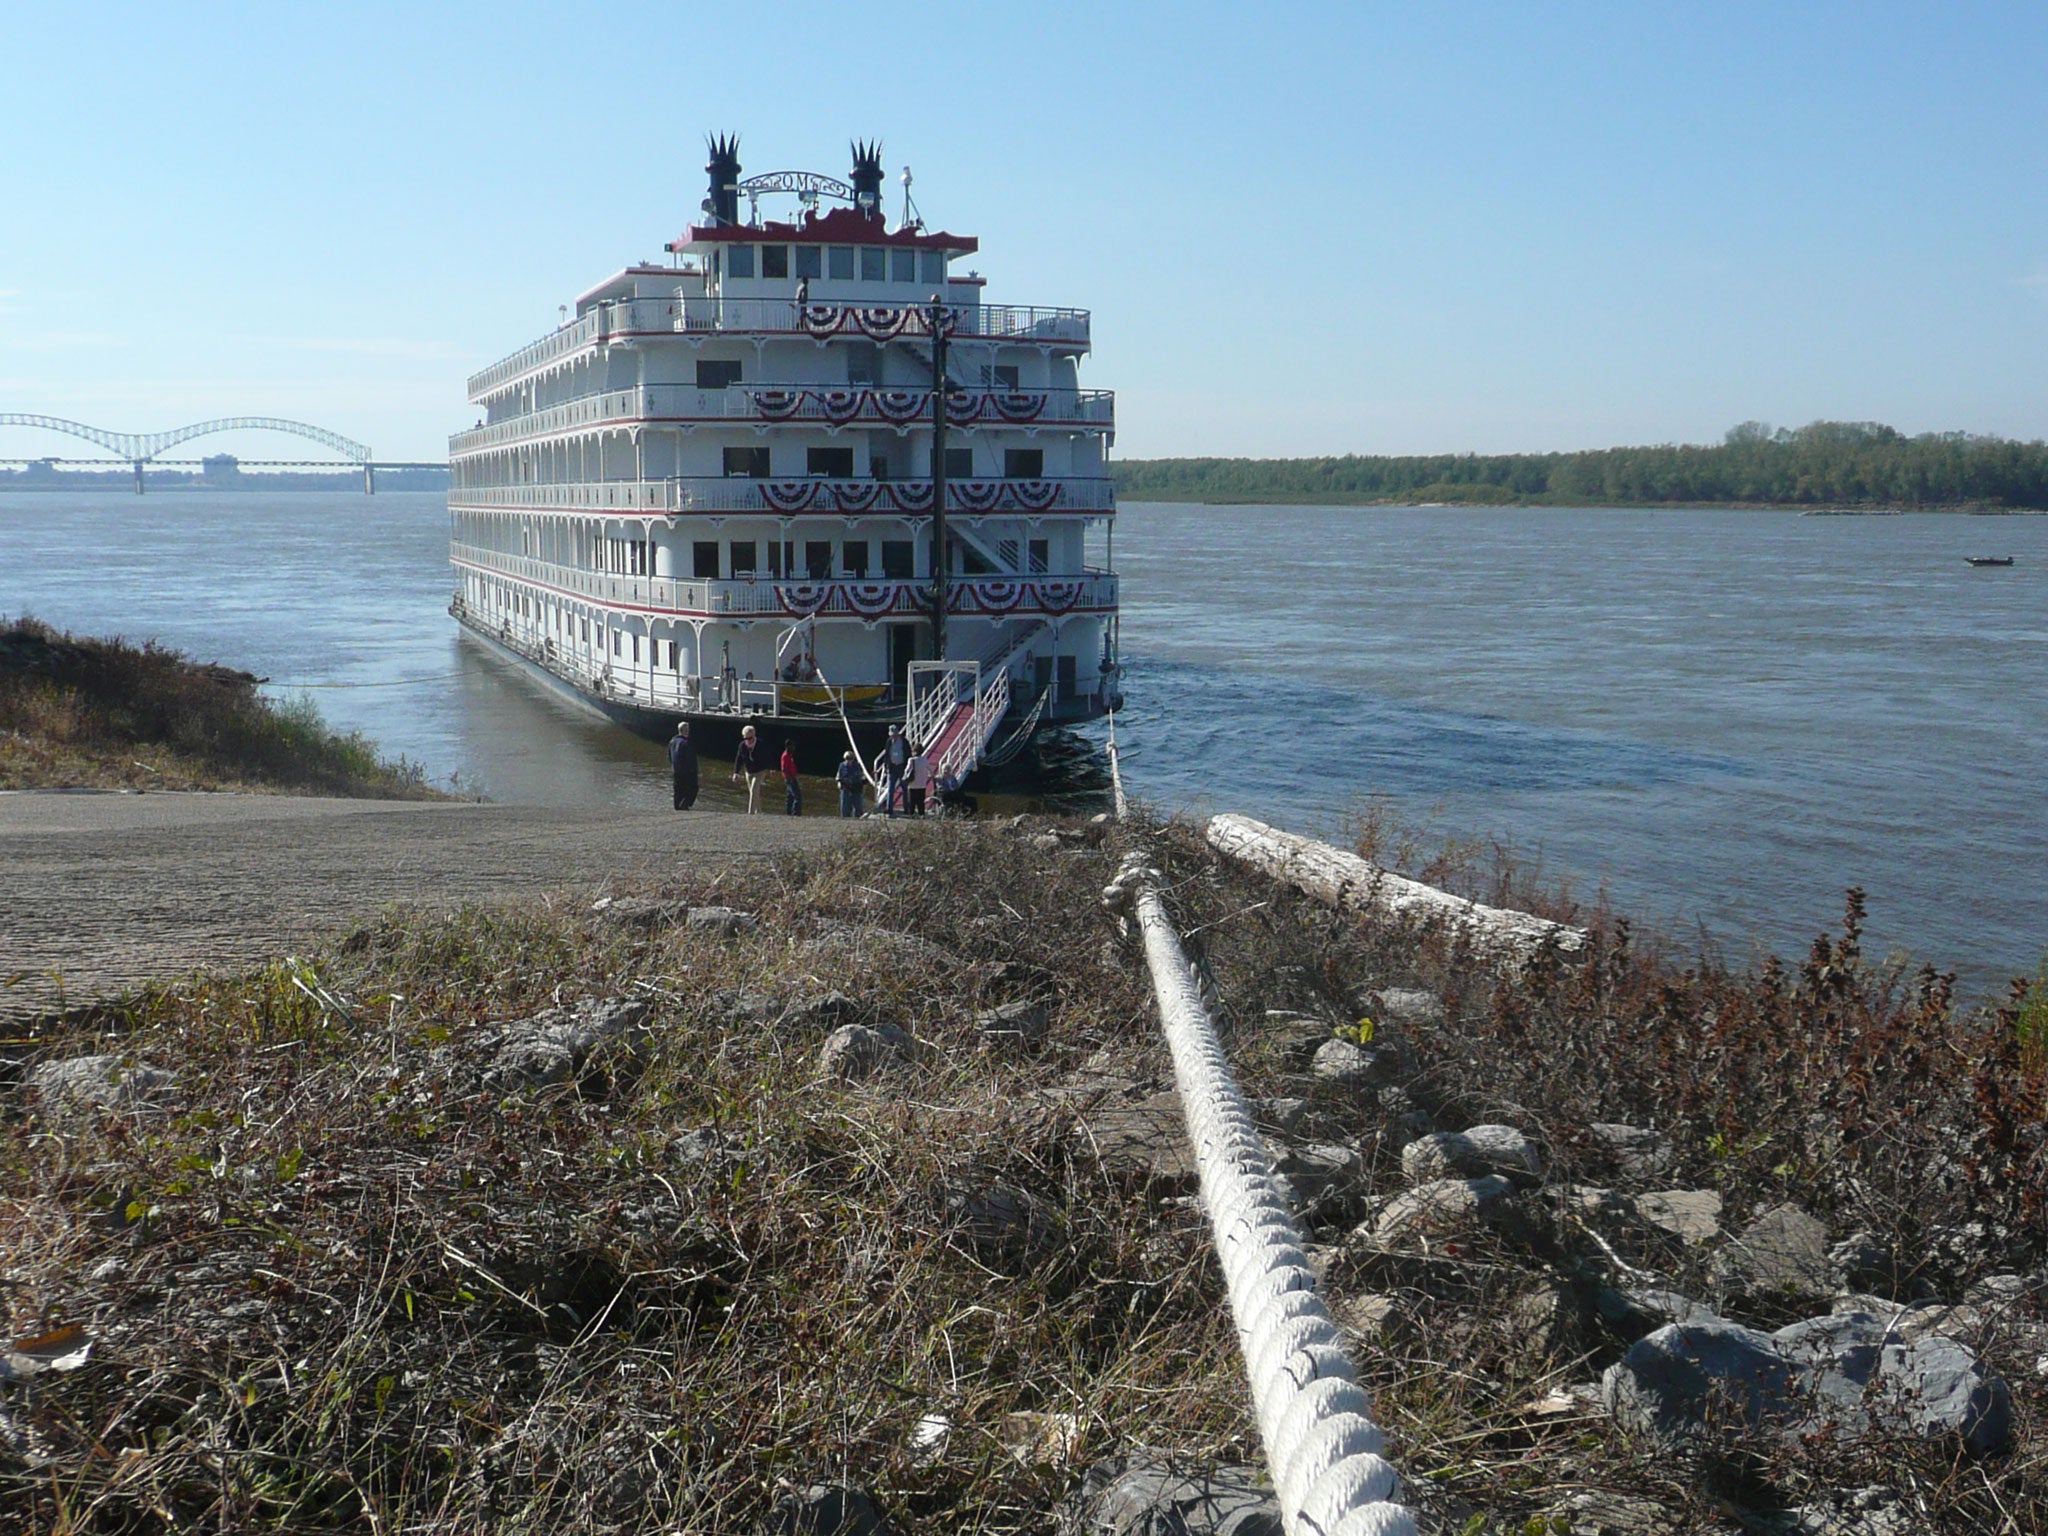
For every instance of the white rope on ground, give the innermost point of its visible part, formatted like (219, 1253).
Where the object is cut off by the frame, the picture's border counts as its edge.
(1321, 1444)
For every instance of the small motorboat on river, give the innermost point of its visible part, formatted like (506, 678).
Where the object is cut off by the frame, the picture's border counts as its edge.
(1988, 559)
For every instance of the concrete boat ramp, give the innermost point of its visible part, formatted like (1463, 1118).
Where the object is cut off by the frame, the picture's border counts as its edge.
(102, 891)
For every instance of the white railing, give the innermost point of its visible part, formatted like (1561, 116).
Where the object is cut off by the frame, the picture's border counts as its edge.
(1051, 496)
(835, 406)
(629, 319)
(970, 597)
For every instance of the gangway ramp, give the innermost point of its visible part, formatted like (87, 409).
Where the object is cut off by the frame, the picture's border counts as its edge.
(954, 712)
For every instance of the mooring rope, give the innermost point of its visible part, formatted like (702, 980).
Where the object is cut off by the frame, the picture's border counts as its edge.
(1322, 1446)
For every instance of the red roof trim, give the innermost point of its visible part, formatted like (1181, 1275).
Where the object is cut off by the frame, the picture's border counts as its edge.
(841, 226)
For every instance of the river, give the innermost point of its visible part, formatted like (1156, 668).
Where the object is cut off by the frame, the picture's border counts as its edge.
(1724, 718)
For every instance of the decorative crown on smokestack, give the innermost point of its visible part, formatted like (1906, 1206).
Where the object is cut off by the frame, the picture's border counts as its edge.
(724, 170)
(867, 177)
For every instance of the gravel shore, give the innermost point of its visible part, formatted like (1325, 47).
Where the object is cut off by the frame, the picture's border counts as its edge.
(104, 891)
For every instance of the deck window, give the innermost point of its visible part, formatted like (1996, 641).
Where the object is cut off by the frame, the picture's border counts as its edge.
(853, 557)
(717, 372)
(739, 261)
(873, 264)
(839, 261)
(829, 461)
(959, 463)
(898, 559)
(743, 555)
(1005, 375)
(903, 266)
(747, 462)
(775, 261)
(1039, 552)
(703, 560)
(1023, 463)
(931, 266)
(808, 261)
(818, 559)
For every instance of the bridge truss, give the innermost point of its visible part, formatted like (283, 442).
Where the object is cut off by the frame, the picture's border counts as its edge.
(140, 447)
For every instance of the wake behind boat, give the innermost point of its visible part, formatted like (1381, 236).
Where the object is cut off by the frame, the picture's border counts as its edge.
(800, 473)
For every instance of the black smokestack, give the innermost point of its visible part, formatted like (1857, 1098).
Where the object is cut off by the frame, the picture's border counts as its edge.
(724, 170)
(867, 177)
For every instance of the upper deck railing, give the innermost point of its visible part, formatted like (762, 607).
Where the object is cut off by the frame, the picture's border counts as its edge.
(990, 597)
(834, 406)
(626, 319)
(841, 497)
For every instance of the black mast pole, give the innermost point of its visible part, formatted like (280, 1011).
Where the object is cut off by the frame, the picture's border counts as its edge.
(939, 560)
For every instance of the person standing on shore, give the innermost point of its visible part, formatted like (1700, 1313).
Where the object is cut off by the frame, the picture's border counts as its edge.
(682, 766)
(917, 778)
(792, 787)
(889, 767)
(749, 763)
(849, 785)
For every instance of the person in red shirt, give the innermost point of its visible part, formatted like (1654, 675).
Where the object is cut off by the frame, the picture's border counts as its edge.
(792, 788)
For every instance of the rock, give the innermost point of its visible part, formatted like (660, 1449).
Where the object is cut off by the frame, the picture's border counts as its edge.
(1046, 842)
(1318, 1176)
(1369, 1317)
(646, 913)
(854, 1051)
(1479, 1150)
(2007, 1290)
(706, 1149)
(1407, 1005)
(861, 949)
(1145, 1494)
(1783, 1253)
(81, 1083)
(1857, 1261)
(1831, 1375)
(1145, 1137)
(822, 1011)
(1018, 1024)
(1693, 1215)
(1001, 1220)
(1545, 1321)
(1443, 1207)
(1638, 1155)
(827, 1509)
(554, 1046)
(1348, 1064)
(1599, 1512)
(749, 1007)
(1672, 1383)
(1281, 1115)
(1874, 1511)
(722, 920)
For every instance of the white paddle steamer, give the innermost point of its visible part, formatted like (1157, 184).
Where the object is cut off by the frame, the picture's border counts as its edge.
(800, 472)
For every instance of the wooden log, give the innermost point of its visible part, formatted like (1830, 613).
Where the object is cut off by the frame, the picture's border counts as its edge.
(1350, 884)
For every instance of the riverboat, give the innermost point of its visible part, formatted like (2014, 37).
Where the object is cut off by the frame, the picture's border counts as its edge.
(1982, 560)
(800, 474)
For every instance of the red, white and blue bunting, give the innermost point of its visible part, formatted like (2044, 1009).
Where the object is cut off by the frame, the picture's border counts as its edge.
(878, 322)
(854, 497)
(989, 597)
(803, 598)
(1057, 596)
(900, 407)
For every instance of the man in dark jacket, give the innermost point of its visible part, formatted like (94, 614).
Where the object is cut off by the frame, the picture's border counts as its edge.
(682, 762)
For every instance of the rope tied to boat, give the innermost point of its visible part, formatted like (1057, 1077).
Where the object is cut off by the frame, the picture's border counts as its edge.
(1322, 1447)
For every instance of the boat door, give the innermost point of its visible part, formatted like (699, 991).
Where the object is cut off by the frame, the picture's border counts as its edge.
(902, 652)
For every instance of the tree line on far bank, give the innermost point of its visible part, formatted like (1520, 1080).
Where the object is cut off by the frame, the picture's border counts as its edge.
(1825, 463)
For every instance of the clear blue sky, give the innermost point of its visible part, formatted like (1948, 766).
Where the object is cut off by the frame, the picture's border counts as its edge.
(1368, 228)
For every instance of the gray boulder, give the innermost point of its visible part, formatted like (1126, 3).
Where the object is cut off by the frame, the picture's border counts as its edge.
(1838, 1375)
(1408, 1005)
(1348, 1064)
(728, 921)
(1639, 1155)
(1018, 1024)
(1481, 1149)
(1146, 1494)
(1443, 1208)
(84, 1083)
(854, 1051)
(555, 1046)
(1783, 1253)
(1691, 1215)
(827, 1509)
